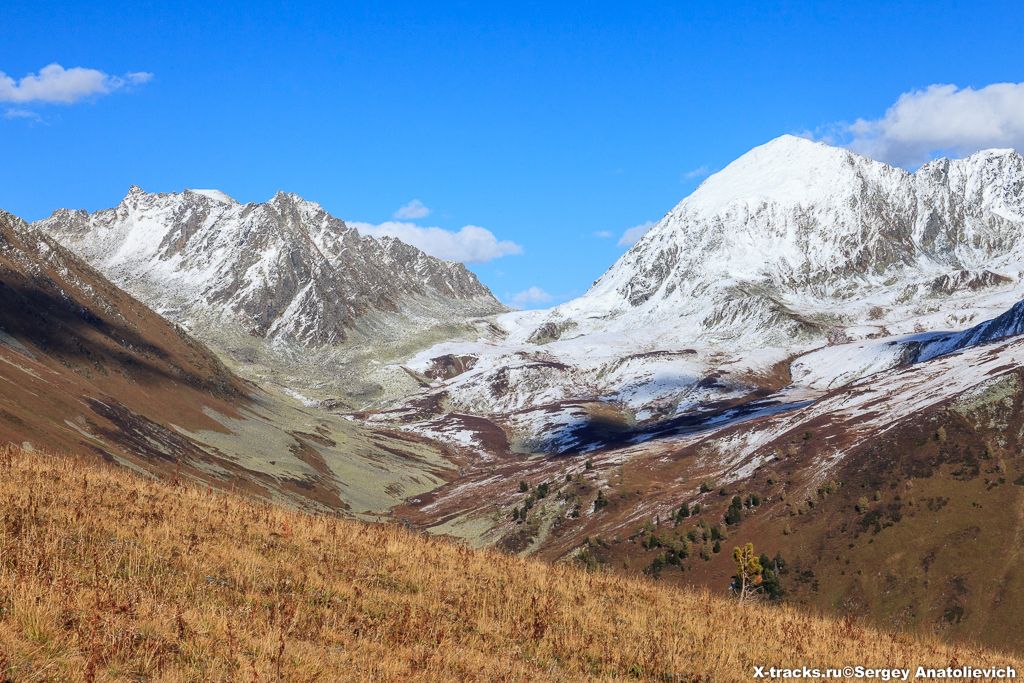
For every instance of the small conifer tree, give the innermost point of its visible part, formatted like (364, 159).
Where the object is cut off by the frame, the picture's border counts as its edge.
(748, 571)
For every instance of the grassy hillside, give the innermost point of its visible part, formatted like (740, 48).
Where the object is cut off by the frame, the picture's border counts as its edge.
(105, 575)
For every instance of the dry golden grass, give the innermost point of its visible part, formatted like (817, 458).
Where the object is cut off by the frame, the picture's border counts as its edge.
(105, 576)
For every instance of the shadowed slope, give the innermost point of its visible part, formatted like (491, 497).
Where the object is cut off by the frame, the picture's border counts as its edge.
(69, 338)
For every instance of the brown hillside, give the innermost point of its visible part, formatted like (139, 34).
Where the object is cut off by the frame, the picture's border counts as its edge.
(108, 576)
(87, 368)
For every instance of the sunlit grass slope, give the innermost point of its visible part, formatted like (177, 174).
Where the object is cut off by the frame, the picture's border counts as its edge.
(106, 575)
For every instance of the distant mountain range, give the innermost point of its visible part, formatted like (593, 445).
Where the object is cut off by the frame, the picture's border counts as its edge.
(796, 238)
(283, 270)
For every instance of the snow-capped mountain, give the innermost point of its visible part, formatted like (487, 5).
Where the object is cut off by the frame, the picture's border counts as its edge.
(795, 246)
(766, 248)
(285, 270)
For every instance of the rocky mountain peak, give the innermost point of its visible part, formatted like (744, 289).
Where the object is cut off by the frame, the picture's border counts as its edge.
(214, 195)
(284, 269)
(292, 200)
(788, 170)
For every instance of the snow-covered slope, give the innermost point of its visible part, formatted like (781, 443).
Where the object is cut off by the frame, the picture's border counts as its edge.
(793, 247)
(285, 269)
(872, 407)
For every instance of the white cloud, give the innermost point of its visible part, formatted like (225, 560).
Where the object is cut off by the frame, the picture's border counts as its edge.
(532, 295)
(23, 114)
(604, 234)
(698, 172)
(942, 119)
(411, 211)
(633, 235)
(471, 244)
(56, 84)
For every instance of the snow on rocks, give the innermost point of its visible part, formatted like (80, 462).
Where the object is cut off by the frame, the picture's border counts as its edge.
(283, 269)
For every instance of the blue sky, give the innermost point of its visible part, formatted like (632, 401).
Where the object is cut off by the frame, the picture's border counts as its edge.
(554, 127)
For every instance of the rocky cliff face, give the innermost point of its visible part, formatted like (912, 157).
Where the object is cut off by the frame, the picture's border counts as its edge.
(285, 270)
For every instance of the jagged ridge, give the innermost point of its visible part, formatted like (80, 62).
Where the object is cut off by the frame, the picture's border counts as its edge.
(285, 269)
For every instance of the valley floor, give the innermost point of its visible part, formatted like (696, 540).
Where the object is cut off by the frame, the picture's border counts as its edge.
(109, 576)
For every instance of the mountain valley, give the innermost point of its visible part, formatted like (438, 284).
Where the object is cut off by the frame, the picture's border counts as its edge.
(815, 352)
